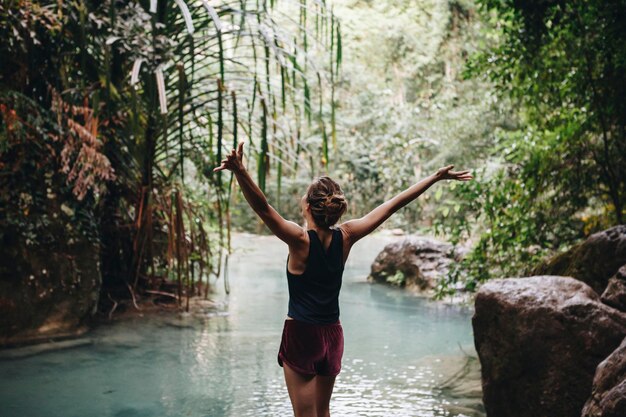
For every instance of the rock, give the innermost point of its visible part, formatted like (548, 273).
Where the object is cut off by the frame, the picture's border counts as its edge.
(414, 262)
(461, 388)
(593, 261)
(615, 293)
(608, 398)
(539, 340)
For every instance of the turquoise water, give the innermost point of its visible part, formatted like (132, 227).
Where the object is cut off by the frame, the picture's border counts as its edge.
(399, 349)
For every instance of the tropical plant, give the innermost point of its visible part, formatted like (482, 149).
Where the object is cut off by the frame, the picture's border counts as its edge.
(155, 92)
(406, 107)
(561, 175)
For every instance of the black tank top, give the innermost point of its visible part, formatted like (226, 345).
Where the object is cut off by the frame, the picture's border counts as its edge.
(314, 294)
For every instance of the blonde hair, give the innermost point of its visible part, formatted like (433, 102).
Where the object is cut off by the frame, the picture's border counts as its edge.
(326, 200)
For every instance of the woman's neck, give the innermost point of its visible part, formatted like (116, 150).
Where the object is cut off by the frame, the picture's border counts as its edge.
(318, 230)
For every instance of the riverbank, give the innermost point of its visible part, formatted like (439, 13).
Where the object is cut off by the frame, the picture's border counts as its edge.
(364, 252)
(403, 354)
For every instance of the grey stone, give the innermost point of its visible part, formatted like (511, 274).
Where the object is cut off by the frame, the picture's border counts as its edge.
(414, 262)
(539, 340)
(593, 261)
(608, 398)
(615, 293)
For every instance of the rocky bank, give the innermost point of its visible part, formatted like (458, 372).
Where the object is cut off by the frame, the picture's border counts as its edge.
(553, 345)
(415, 262)
(593, 261)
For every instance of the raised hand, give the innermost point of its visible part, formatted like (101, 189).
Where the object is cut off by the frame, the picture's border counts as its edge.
(446, 173)
(234, 161)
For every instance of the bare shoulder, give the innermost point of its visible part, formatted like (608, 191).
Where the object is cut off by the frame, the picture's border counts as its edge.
(302, 238)
(346, 232)
(347, 240)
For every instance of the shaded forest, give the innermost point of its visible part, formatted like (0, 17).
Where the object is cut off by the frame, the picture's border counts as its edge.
(114, 113)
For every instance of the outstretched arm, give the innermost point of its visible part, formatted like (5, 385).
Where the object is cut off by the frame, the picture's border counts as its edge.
(359, 228)
(287, 231)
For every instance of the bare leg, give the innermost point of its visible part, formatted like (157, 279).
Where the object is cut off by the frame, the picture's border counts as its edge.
(301, 390)
(324, 389)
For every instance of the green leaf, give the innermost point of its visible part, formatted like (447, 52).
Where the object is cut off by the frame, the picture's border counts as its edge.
(438, 193)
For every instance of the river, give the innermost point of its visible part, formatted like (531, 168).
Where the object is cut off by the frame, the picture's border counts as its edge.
(404, 355)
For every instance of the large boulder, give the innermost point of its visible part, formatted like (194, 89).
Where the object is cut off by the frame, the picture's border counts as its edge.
(615, 293)
(608, 398)
(414, 262)
(593, 261)
(539, 340)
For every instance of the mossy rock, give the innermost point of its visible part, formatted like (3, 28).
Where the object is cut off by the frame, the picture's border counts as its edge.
(593, 261)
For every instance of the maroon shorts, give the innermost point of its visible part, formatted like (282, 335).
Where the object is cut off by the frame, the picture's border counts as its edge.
(312, 349)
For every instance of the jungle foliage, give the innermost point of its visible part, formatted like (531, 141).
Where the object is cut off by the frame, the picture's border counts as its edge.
(560, 172)
(119, 110)
(527, 95)
(404, 108)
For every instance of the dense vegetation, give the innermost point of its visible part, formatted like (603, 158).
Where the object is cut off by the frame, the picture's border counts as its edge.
(113, 114)
(404, 107)
(560, 172)
(528, 95)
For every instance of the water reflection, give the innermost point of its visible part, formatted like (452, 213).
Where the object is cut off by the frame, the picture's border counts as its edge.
(403, 356)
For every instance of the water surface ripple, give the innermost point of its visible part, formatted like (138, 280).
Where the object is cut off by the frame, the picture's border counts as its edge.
(404, 356)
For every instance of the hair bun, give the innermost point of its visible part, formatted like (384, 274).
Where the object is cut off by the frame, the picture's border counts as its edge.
(327, 201)
(332, 201)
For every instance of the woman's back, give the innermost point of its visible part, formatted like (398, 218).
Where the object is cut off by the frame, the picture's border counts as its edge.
(312, 345)
(314, 294)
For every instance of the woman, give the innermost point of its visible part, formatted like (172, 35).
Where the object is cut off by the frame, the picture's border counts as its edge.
(312, 342)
